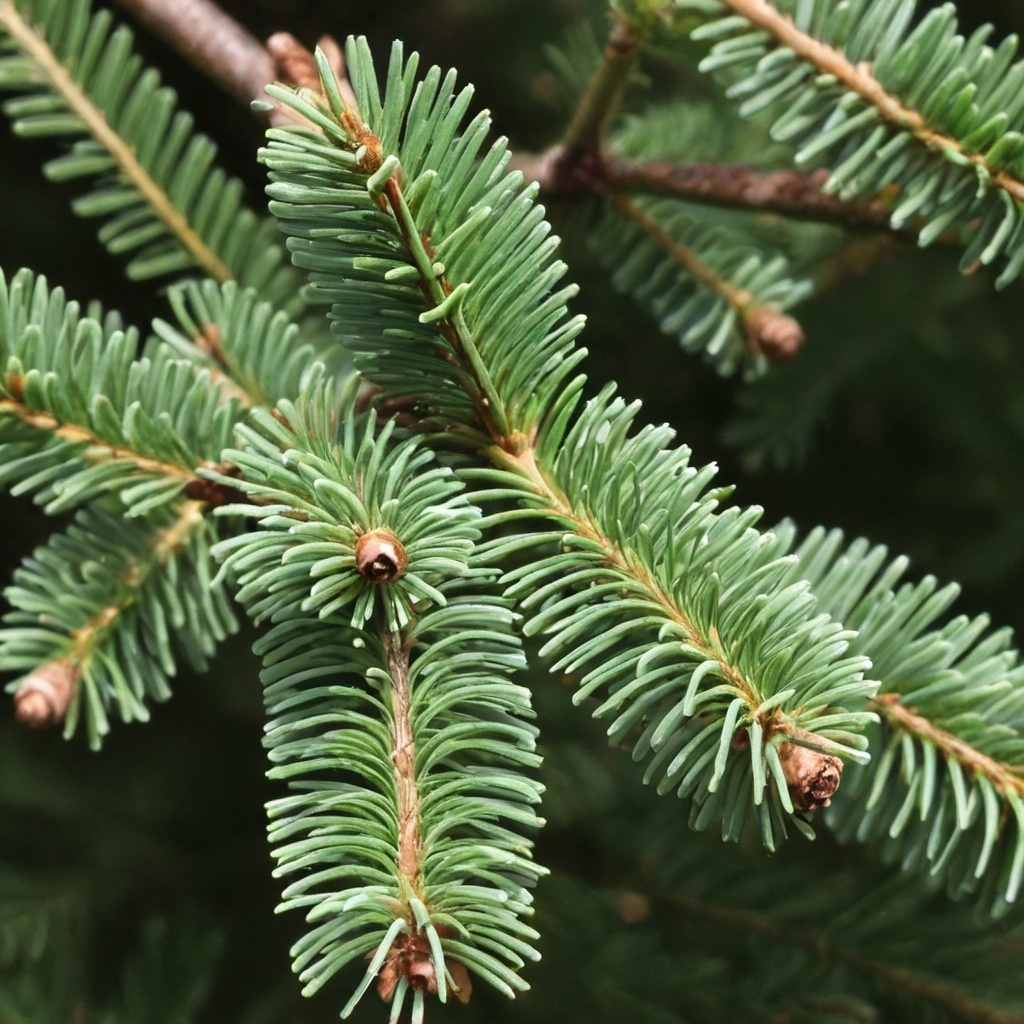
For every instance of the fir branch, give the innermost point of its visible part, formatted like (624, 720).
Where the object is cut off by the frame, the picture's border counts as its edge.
(52, 71)
(858, 78)
(156, 185)
(514, 446)
(489, 358)
(81, 415)
(393, 703)
(921, 110)
(97, 450)
(102, 612)
(945, 792)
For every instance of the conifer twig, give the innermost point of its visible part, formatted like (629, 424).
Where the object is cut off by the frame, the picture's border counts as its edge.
(859, 80)
(99, 450)
(403, 758)
(58, 76)
(604, 91)
(769, 331)
(45, 695)
(1004, 778)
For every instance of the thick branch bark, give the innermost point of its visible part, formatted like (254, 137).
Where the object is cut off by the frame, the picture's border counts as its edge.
(210, 40)
(789, 193)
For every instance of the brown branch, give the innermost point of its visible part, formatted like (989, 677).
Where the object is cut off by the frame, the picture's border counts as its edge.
(210, 41)
(229, 54)
(791, 193)
(1004, 779)
(787, 192)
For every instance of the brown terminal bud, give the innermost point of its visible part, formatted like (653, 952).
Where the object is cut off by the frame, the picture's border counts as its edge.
(43, 697)
(380, 557)
(812, 777)
(773, 334)
(410, 958)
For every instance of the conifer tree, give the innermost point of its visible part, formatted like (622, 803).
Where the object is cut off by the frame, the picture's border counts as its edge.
(551, 715)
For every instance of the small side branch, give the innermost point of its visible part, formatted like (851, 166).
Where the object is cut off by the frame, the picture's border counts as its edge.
(605, 89)
(769, 331)
(44, 696)
(37, 49)
(99, 450)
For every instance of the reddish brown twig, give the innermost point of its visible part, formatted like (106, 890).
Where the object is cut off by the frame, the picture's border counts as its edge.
(789, 192)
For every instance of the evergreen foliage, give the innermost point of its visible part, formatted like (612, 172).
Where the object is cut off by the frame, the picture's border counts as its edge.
(686, 590)
(151, 177)
(397, 531)
(85, 416)
(937, 115)
(708, 308)
(120, 602)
